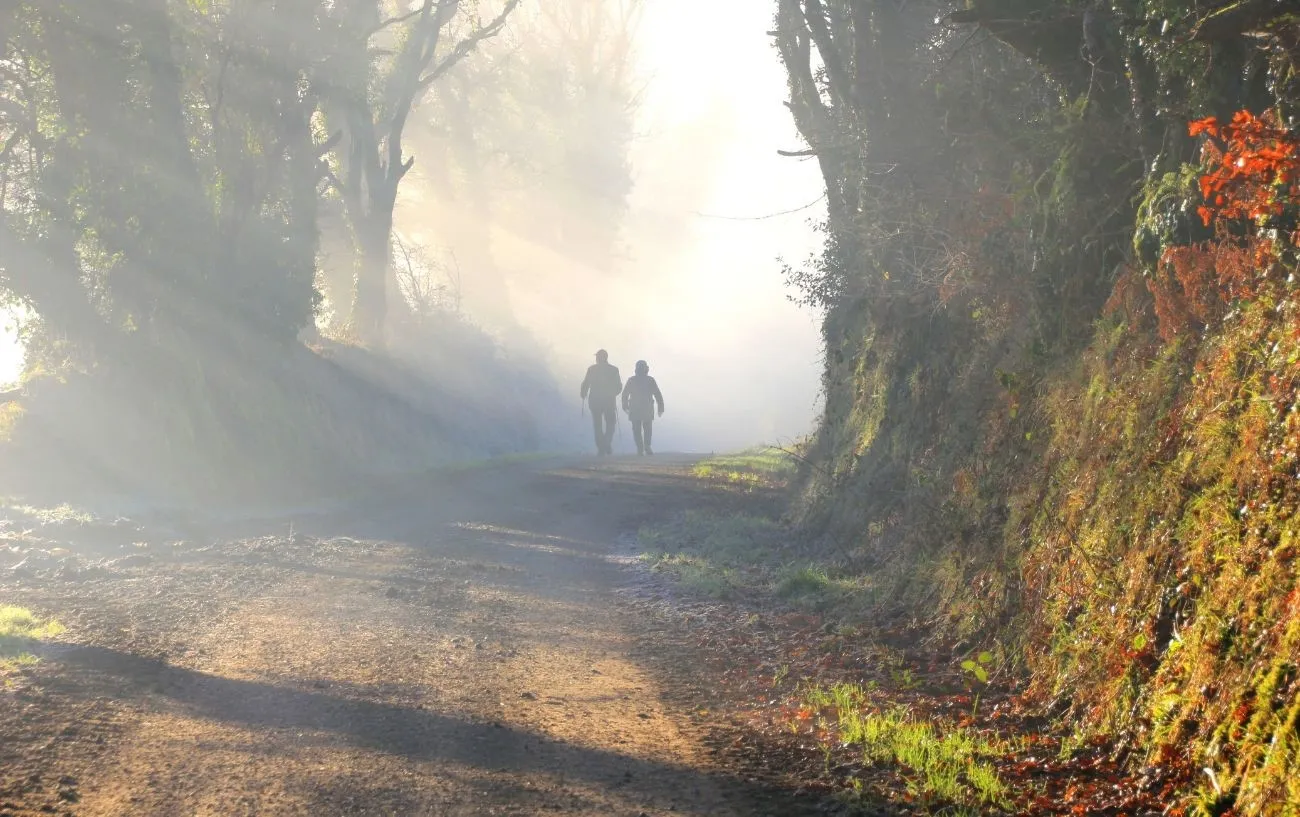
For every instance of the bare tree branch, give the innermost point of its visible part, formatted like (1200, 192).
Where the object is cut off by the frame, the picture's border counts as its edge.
(394, 21)
(467, 45)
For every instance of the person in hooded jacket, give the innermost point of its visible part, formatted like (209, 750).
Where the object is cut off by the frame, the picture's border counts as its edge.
(640, 397)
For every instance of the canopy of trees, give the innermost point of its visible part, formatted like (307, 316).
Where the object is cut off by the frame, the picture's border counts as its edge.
(163, 162)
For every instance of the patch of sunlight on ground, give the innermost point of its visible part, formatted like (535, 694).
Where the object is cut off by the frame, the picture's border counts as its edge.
(763, 467)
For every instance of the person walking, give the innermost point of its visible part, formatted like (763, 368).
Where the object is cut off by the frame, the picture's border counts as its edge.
(600, 388)
(640, 396)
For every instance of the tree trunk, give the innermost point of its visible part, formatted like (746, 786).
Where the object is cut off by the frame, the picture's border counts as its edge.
(374, 263)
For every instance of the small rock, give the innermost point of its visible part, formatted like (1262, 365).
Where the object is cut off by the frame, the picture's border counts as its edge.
(528, 696)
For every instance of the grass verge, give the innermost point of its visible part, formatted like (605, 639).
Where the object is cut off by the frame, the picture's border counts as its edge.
(763, 467)
(946, 767)
(733, 554)
(19, 628)
(748, 551)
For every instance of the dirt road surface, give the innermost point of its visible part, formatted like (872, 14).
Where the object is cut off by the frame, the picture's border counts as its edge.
(467, 645)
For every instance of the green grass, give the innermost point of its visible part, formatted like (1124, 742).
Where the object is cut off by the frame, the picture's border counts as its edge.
(764, 467)
(715, 554)
(943, 765)
(698, 574)
(724, 554)
(19, 627)
(804, 581)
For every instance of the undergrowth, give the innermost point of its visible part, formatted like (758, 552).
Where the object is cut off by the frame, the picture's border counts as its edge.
(1162, 597)
(293, 425)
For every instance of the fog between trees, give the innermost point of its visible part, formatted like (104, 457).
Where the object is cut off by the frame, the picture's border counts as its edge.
(551, 173)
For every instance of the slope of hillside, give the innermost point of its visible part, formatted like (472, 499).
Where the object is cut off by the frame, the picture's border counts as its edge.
(1062, 360)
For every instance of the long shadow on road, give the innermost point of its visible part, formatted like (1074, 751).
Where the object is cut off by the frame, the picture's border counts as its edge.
(414, 734)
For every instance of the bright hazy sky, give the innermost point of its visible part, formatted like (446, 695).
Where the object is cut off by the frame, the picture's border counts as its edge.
(698, 290)
(742, 361)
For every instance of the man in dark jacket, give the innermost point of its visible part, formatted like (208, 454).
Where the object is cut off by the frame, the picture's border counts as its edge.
(600, 389)
(639, 399)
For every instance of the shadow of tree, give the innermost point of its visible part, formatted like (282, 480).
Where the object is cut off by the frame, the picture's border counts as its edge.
(324, 717)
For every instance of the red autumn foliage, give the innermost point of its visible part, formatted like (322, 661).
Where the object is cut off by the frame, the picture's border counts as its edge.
(1194, 284)
(1253, 168)
(1250, 187)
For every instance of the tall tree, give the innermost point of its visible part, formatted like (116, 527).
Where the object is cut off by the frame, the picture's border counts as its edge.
(160, 183)
(372, 114)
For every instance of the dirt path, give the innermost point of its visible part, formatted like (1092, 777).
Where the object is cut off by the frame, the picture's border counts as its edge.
(460, 649)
